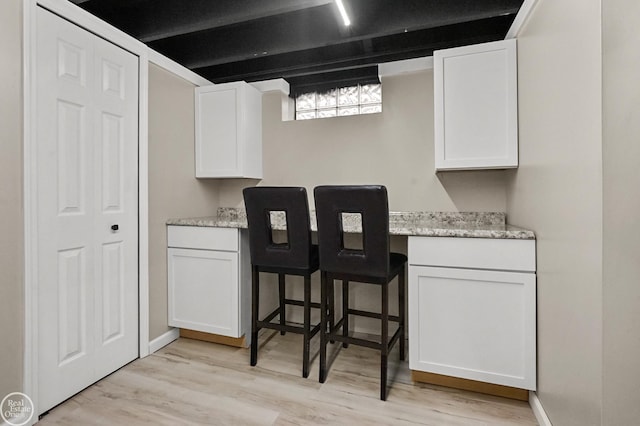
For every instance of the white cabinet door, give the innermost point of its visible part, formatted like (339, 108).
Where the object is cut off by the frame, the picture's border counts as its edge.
(228, 131)
(203, 291)
(474, 324)
(476, 110)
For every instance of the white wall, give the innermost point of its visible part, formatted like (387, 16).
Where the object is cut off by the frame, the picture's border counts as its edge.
(621, 162)
(11, 199)
(173, 189)
(557, 192)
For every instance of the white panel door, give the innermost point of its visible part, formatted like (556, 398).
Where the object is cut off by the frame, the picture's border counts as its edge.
(87, 183)
(116, 190)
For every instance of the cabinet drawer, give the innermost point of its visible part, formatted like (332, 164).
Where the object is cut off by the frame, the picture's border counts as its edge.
(203, 238)
(479, 253)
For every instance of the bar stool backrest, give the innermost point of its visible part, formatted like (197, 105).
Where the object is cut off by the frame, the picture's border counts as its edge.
(260, 202)
(371, 202)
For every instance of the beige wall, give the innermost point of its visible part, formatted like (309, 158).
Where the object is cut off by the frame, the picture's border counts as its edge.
(621, 165)
(394, 148)
(11, 212)
(173, 189)
(557, 192)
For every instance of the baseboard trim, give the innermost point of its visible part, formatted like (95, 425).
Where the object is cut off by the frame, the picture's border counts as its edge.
(238, 342)
(163, 340)
(470, 385)
(538, 410)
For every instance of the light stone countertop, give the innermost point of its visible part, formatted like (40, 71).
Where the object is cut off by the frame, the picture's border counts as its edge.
(429, 224)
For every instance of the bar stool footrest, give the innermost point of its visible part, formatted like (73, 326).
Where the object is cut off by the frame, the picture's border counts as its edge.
(301, 303)
(266, 323)
(371, 315)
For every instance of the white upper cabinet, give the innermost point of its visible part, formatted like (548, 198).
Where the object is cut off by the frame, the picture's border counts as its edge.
(476, 106)
(228, 131)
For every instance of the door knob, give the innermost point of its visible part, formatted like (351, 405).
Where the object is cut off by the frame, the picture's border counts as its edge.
(114, 227)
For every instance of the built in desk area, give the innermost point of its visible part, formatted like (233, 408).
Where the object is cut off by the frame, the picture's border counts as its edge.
(471, 292)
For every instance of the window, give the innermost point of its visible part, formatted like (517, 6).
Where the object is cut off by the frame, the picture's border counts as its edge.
(353, 100)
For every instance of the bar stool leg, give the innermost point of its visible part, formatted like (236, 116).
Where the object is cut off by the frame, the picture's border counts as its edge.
(384, 342)
(401, 312)
(281, 293)
(332, 308)
(255, 301)
(323, 327)
(306, 326)
(345, 311)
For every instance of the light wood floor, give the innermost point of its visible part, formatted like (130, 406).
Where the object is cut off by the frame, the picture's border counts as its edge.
(193, 382)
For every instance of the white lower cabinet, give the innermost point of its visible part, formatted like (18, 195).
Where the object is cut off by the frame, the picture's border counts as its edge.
(472, 309)
(208, 280)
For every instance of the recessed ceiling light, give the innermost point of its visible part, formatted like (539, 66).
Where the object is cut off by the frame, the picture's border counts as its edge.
(343, 13)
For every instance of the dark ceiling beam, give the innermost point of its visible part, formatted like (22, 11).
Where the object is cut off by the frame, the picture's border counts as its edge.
(357, 54)
(328, 81)
(318, 27)
(384, 17)
(279, 34)
(150, 20)
(228, 40)
(122, 14)
(203, 15)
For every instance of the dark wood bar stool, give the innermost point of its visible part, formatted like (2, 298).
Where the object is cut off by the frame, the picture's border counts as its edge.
(373, 264)
(296, 256)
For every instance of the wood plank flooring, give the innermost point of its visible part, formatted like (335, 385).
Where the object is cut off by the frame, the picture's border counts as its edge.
(190, 382)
